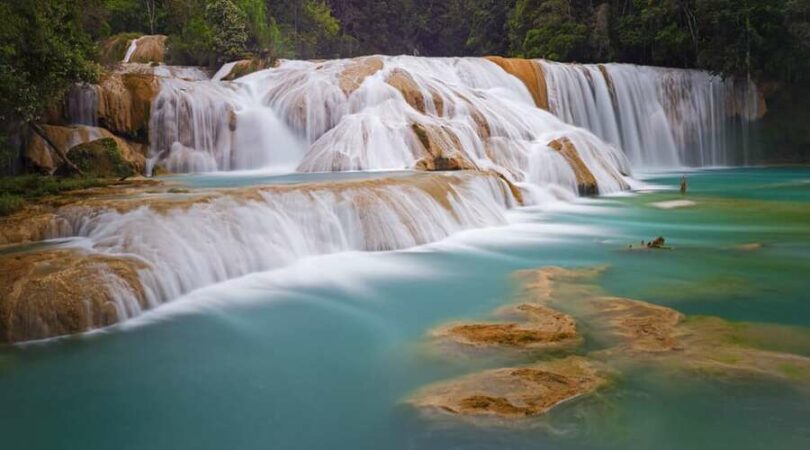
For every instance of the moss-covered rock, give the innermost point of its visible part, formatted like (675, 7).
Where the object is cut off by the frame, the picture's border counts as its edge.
(101, 158)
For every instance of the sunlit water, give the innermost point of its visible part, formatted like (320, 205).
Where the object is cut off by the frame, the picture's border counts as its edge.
(320, 354)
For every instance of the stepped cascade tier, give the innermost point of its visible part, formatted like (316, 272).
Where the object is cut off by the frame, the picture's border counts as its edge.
(141, 249)
(374, 113)
(514, 131)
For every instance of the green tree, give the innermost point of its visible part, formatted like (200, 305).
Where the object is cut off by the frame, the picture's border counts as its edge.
(553, 29)
(229, 26)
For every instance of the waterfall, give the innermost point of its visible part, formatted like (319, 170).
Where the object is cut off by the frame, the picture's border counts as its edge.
(372, 113)
(193, 243)
(81, 104)
(661, 118)
(133, 45)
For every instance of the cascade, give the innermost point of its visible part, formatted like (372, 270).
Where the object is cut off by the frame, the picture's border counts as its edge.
(82, 104)
(190, 243)
(373, 113)
(661, 118)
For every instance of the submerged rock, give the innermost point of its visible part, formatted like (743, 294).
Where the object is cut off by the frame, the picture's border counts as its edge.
(539, 327)
(514, 392)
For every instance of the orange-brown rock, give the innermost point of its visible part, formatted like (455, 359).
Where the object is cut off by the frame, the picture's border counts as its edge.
(530, 73)
(357, 71)
(56, 292)
(586, 182)
(125, 102)
(441, 149)
(514, 392)
(30, 225)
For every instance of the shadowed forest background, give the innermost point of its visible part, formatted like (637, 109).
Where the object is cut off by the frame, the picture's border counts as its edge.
(45, 45)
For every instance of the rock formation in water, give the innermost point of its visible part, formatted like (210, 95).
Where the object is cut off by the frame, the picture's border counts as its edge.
(627, 333)
(532, 327)
(514, 392)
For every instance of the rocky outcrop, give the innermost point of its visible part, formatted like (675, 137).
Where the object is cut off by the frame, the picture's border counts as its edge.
(586, 182)
(514, 392)
(530, 73)
(40, 156)
(56, 292)
(357, 71)
(125, 102)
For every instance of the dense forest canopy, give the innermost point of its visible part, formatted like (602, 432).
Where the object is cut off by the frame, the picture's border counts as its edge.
(47, 44)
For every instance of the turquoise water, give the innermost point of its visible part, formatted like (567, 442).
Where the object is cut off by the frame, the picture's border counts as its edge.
(321, 355)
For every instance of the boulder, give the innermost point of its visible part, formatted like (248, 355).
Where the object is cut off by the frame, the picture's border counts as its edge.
(56, 292)
(41, 157)
(530, 73)
(586, 182)
(102, 158)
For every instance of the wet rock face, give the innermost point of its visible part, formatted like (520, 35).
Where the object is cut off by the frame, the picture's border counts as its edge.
(514, 392)
(125, 103)
(56, 292)
(586, 182)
